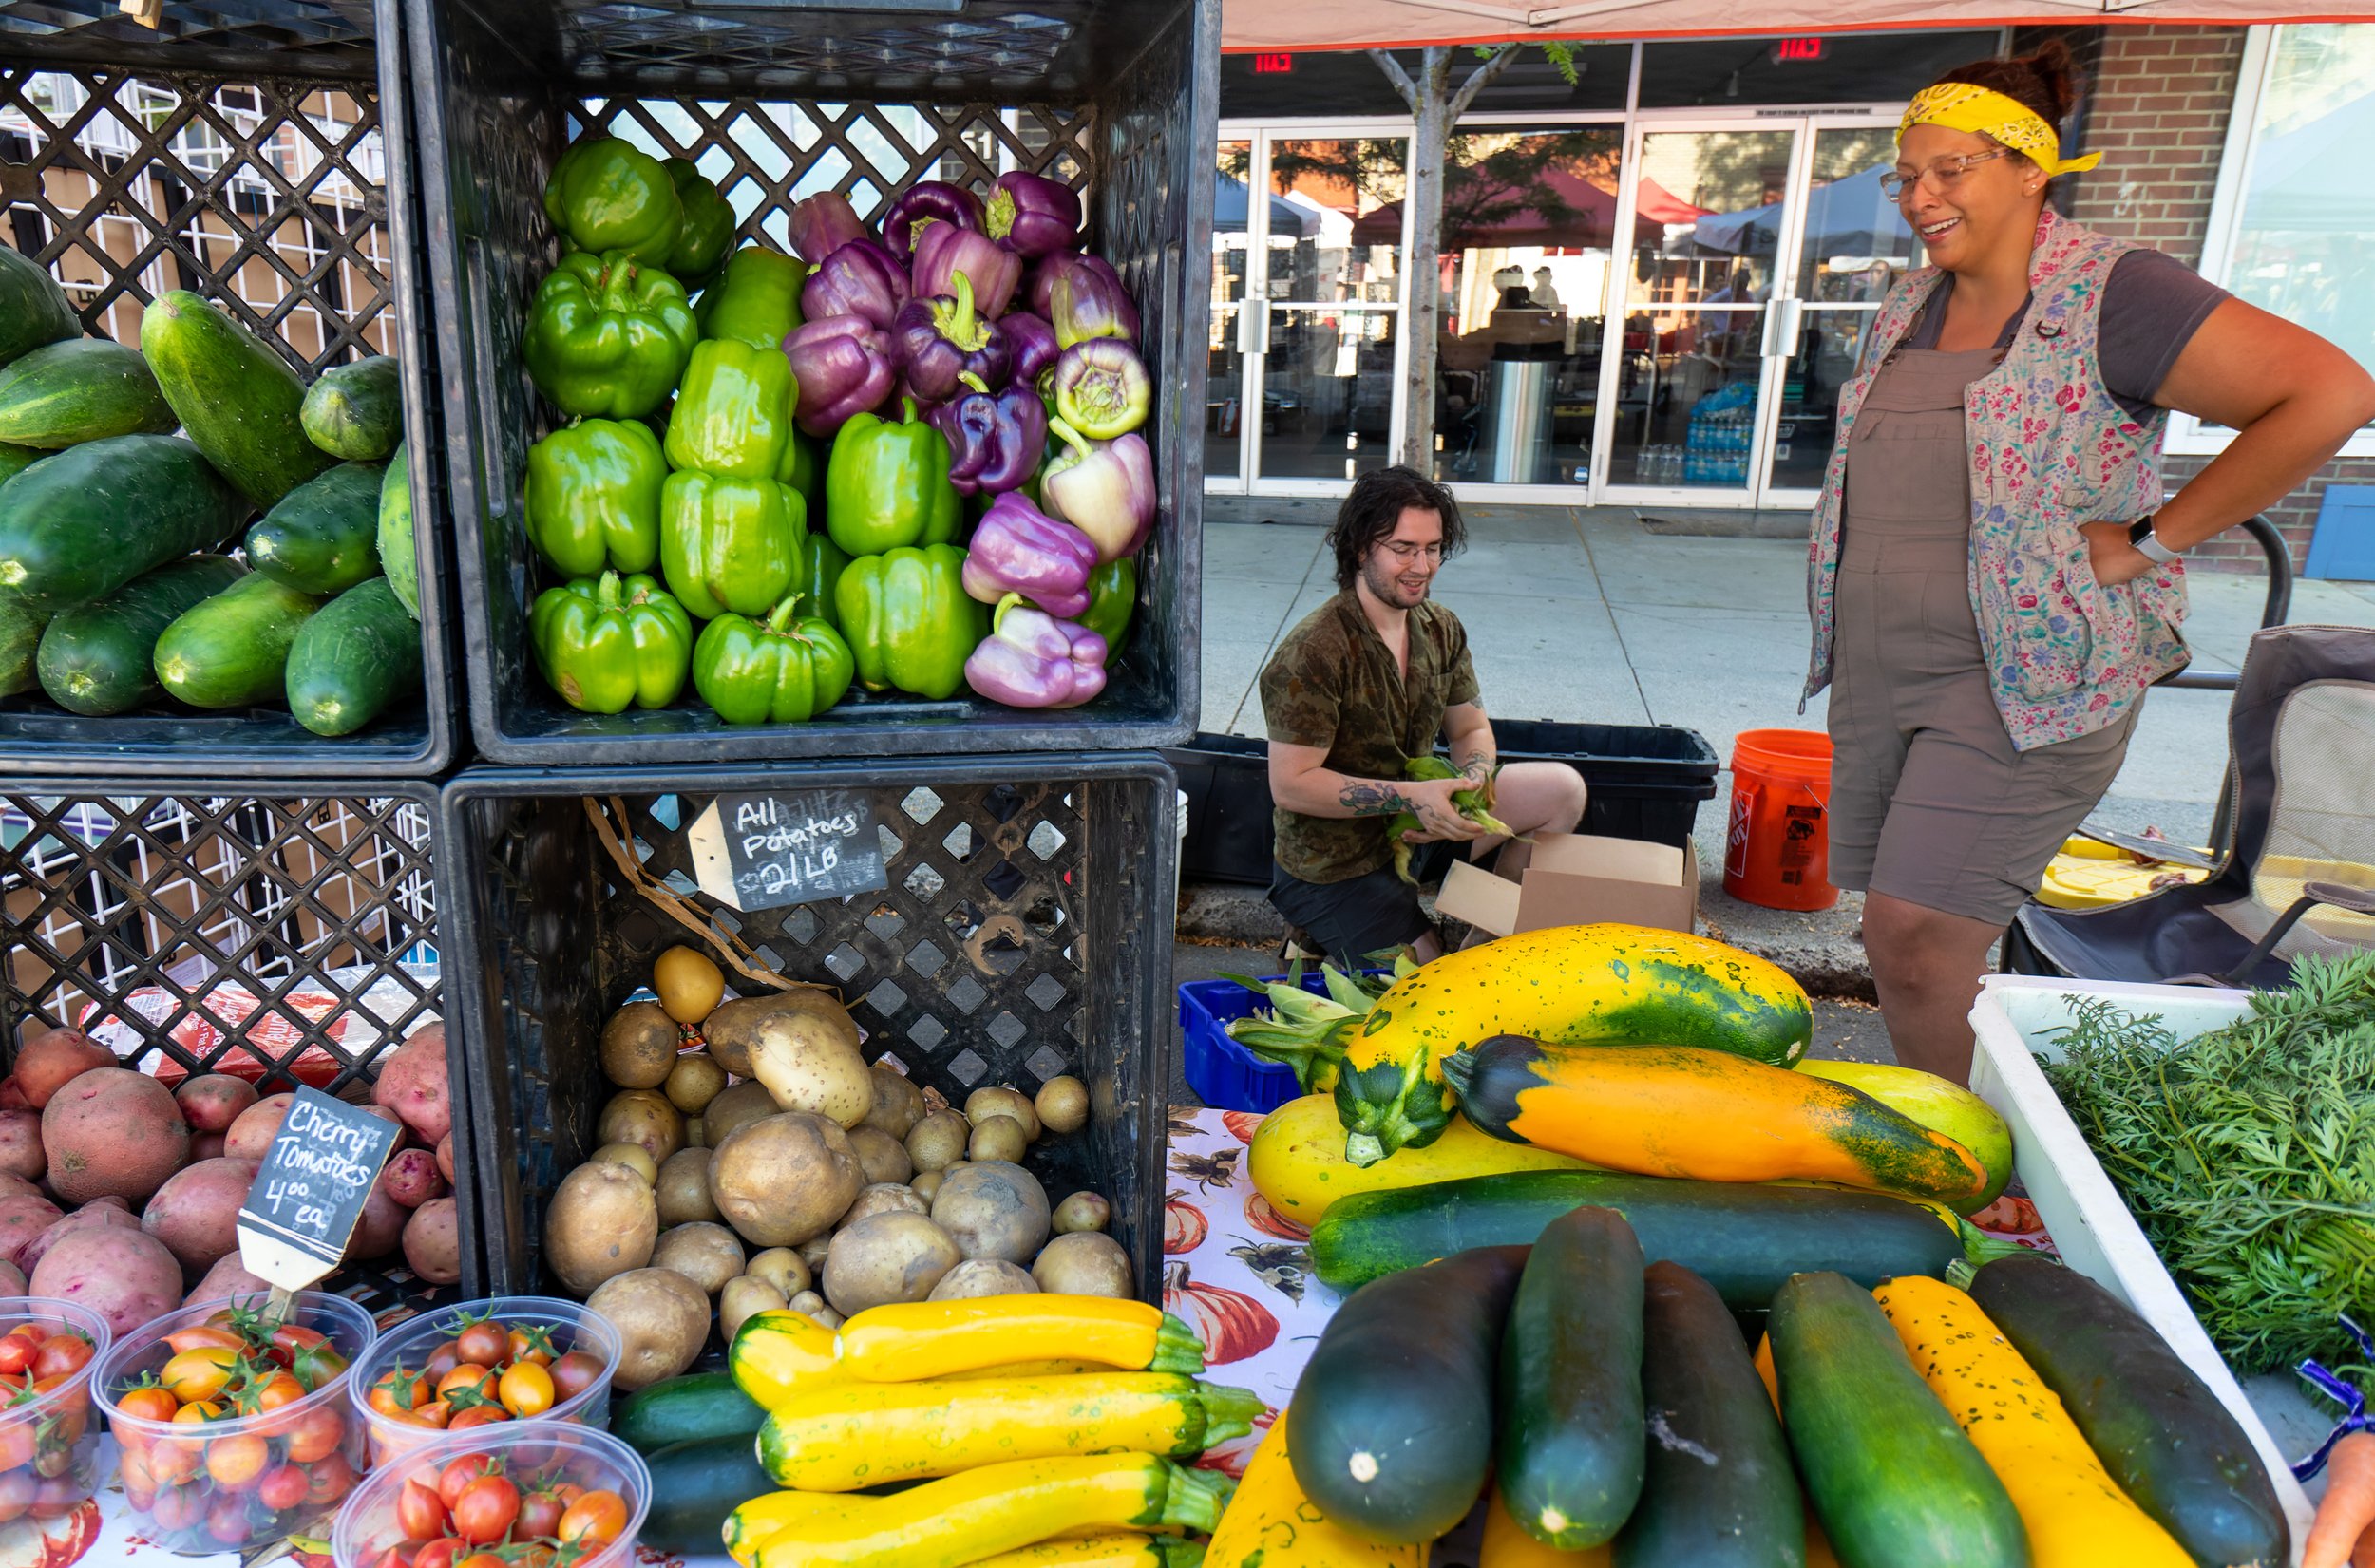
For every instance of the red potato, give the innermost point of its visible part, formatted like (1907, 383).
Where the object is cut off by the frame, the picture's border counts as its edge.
(126, 1276)
(11, 1282)
(380, 1228)
(195, 1214)
(12, 1094)
(206, 1146)
(47, 1063)
(106, 1215)
(411, 1178)
(432, 1242)
(413, 1083)
(251, 1134)
(16, 1186)
(445, 1157)
(228, 1278)
(24, 1217)
(112, 1131)
(21, 1153)
(213, 1101)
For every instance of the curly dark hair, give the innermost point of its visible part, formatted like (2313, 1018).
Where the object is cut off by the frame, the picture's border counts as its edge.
(2044, 80)
(1374, 508)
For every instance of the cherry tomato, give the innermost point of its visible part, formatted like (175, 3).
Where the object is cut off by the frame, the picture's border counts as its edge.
(149, 1401)
(205, 1337)
(536, 1556)
(459, 1473)
(394, 1556)
(482, 1559)
(434, 1414)
(420, 1512)
(477, 1415)
(199, 1375)
(238, 1462)
(316, 1434)
(399, 1393)
(62, 1354)
(197, 1411)
(316, 1366)
(17, 1494)
(296, 1336)
(60, 1495)
(67, 1416)
(173, 1461)
(483, 1515)
(479, 1380)
(17, 1436)
(540, 1513)
(328, 1480)
(596, 1519)
(532, 1342)
(283, 1487)
(527, 1389)
(442, 1360)
(227, 1520)
(438, 1553)
(180, 1508)
(17, 1352)
(573, 1374)
(487, 1344)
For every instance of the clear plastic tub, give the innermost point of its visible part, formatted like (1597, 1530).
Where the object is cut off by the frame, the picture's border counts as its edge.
(568, 1324)
(534, 1455)
(240, 1479)
(49, 1444)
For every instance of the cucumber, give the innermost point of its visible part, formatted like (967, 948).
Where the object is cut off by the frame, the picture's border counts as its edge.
(686, 1409)
(1569, 1453)
(236, 398)
(1743, 1239)
(232, 651)
(20, 644)
(1394, 1414)
(1720, 1491)
(100, 659)
(34, 308)
(1891, 1476)
(362, 653)
(396, 556)
(15, 459)
(356, 412)
(324, 536)
(695, 1485)
(80, 524)
(2165, 1437)
(80, 390)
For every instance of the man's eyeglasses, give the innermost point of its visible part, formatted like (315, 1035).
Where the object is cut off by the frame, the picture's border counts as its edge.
(1408, 553)
(1941, 177)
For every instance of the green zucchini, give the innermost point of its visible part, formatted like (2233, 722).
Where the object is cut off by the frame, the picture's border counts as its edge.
(80, 523)
(695, 1485)
(236, 397)
(1568, 1448)
(34, 308)
(396, 557)
(1743, 1239)
(100, 659)
(83, 390)
(686, 1409)
(1891, 1476)
(359, 655)
(324, 536)
(1394, 1413)
(15, 459)
(2165, 1437)
(356, 412)
(20, 644)
(1720, 1491)
(232, 651)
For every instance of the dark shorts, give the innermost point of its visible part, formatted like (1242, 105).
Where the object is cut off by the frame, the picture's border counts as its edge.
(1353, 918)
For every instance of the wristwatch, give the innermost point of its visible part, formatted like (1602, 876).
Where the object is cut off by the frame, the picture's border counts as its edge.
(2148, 543)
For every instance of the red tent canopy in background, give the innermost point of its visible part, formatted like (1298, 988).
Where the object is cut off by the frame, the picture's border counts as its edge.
(1591, 219)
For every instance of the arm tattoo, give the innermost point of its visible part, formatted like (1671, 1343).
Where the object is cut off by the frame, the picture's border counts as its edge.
(1370, 797)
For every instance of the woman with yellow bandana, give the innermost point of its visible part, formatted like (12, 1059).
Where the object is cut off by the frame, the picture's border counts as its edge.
(1994, 578)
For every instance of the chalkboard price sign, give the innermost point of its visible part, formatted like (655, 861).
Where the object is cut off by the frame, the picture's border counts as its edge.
(310, 1191)
(766, 851)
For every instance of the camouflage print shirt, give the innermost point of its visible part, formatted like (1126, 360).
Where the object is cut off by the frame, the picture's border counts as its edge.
(1333, 683)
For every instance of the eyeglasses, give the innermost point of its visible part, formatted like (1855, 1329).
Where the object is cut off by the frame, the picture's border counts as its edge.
(1941, 177)
(1408, 553)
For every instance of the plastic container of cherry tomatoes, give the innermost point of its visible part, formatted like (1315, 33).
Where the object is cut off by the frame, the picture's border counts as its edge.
(573, 1336)
(49, 1442)
(201, 1482)
(554, 1481)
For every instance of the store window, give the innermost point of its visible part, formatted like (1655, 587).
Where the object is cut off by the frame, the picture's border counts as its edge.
(1837, 68)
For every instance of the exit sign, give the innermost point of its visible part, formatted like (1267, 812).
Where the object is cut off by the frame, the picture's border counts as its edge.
(1787, 49)
(1273, 65)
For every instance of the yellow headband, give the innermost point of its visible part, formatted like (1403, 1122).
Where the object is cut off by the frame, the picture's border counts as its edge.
(1960, 107)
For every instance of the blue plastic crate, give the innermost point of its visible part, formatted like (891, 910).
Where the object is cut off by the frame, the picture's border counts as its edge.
(1224, 1074)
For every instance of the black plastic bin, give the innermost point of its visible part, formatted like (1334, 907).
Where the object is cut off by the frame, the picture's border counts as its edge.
(1117, 97)
(1646, 781)
(259, 155)
(1025, 933)
(279, 934)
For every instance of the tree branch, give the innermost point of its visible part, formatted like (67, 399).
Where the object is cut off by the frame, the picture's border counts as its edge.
(1479, 79)
(1399, 77)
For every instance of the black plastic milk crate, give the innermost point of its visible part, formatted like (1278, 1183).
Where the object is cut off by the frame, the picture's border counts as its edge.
(256, 154)
(280, 936)
(1025, 933)
(775, 103)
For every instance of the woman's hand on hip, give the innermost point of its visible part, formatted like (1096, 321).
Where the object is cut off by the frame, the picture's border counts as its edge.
(2113, 559)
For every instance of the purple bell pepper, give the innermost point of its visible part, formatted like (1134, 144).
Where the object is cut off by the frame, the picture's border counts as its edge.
(1031, 215)
(1042, 291)
(940, 338)
(1090, 302)
(1019, 549)
(860, 279)
(1104, 488)
(922, 204)
(1102, 388)
(1031, 659)
(844, 367)
(1031, 342)
(995, 438)
(823, 224)
(944, 251)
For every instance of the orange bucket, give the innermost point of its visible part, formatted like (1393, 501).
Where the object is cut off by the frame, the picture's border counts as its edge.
(1777, 849)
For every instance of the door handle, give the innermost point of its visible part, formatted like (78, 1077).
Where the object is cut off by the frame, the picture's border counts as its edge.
(1253, 330)
(1782, 327)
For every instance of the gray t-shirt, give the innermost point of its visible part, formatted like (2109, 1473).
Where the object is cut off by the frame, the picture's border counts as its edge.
(2152, 308)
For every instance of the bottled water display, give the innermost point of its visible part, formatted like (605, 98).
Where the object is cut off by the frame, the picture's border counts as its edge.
(1723, 427)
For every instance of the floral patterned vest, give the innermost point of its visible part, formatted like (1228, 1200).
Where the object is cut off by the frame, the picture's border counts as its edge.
(2049, 448)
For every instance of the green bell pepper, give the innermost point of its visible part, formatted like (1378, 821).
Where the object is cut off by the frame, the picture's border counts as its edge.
(605, 642)
(1112, 595)
(709, 224)
(911, 623)
(785, 669)
(729, 543)
(755, 300)
(608, 196)
(608, 337)
(593, 497)
(821, 564)
(733, 411)
(802, 468)
(886, 485)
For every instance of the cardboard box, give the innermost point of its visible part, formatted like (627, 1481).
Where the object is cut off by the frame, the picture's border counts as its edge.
(1575, 878)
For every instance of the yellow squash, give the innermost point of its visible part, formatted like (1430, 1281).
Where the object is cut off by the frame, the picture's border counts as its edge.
(1507, 1544)
(1112, 1549)
(1936, 1103)
(1297, 1160)
(777, 1355)
(1566, 985)
(749, 1525)
(1271, 1524)
(908, 1342)
(2074, 1513)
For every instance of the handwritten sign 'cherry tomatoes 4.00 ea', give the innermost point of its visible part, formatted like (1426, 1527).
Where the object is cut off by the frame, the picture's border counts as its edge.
(766, 851)
(311, 1189)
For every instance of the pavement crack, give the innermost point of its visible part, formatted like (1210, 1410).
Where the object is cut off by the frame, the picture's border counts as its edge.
(1293, 600)
(1582, 537)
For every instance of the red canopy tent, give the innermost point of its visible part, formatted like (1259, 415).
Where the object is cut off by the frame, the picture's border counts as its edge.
(1590, 219)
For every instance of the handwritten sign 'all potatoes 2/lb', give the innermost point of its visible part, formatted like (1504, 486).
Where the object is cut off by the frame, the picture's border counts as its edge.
(308, 1193)
(766, 851)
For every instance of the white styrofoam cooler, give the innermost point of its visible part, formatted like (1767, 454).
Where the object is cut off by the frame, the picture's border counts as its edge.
(2085, 1213)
